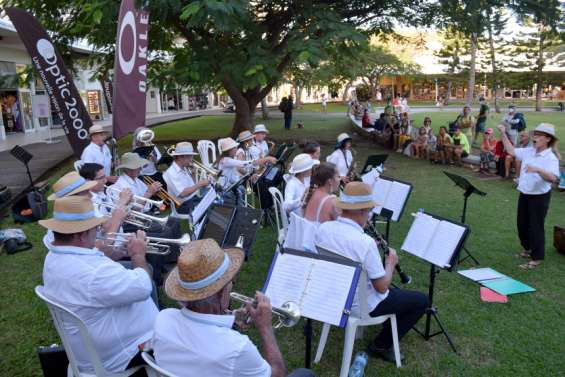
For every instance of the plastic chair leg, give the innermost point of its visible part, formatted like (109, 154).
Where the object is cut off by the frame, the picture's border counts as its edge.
(395, 342)
(348, 344)
(359, 333)
(322, 343)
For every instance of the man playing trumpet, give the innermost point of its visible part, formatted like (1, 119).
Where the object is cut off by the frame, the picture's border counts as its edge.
(180, 179)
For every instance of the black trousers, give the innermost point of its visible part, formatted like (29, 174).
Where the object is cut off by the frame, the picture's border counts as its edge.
(409, 306)
(532, 210)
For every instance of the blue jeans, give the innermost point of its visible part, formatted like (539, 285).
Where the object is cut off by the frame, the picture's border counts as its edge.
(287, 122)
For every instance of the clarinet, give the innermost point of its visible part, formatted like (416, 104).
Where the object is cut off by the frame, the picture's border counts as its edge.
(382, 243)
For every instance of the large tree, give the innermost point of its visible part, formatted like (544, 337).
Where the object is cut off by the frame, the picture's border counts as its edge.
(454, 50)
(245, 47)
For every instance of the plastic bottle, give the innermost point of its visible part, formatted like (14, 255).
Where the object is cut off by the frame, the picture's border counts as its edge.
(359, 363)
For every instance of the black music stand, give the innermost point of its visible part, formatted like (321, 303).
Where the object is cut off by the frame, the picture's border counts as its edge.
(374, 161)
(24, 157)
(469, 190)
(235, 186)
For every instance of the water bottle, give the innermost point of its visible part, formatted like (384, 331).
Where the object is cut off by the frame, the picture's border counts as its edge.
(359, 363)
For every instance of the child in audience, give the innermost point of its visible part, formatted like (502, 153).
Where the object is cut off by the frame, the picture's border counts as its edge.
(419, 146)
(431, 148)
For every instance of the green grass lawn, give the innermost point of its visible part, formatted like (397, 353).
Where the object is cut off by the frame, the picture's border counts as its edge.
(521, 338)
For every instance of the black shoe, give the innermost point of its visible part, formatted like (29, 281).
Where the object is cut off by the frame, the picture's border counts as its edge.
(384, 354)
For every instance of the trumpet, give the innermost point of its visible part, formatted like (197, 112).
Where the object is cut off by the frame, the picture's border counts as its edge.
(162, 193)
(288, 314)
(203, 171)
(138, 219)
(155, 245)
(138, 201)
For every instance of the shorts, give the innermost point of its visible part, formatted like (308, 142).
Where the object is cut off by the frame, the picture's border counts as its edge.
(480, 126)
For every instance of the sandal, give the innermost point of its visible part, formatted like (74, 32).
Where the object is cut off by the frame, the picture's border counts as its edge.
(530, 265)
(524, 254)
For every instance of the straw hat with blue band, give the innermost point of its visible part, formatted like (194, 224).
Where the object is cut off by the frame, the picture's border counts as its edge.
(70, 184)
(72, 214)
(356, 195)
(182, 149)
(203, 269)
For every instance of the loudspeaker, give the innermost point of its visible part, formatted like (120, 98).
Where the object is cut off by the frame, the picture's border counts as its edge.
(559, 239)
(246, 222)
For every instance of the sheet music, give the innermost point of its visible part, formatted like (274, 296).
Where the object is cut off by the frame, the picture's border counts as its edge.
(396, 198)
(420, 235)
(381, 188)
(480, 274)
(445, 239)
(203, 206)
(370, 177)
(288, 279)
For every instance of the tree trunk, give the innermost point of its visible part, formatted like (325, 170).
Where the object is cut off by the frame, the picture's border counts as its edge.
(539, 68)
(243, 118)
(472, 63)
(264, 109)
(298, 100)
(493, 65)
(448, 94)
(347, 87)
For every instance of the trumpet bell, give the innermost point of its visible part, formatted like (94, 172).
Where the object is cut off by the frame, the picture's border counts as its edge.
(145, 137)
(291, 317)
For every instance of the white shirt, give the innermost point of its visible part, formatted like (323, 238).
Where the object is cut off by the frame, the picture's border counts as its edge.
(98, 199)
(177, 180)
(151, 167)
(189, 344)
(99, 155)
(137, 187)
(263, 147)
(293, 193)
(113, 302)
(228, 167)
(347, 238)
(338, 159)
(533, 183)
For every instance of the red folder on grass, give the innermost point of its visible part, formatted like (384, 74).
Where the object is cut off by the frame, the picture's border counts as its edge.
(488, 295)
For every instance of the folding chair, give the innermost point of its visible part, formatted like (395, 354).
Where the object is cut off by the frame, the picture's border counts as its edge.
(281, 217)
(153, 369)
(300, 234)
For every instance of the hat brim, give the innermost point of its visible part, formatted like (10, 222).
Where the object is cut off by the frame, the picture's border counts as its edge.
(245, 139)
(183, 154)
(134, 166)
(229, 147)
(84, 187)
(174, 290)
(69, 227)
(548, 135)
(353, 206)
(296, 171)
(264, 131)
(98, 132)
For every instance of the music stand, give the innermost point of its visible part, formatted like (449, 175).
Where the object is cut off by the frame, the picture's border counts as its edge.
(373, 162)
(469, 190)
(234, 187)
(24, 157)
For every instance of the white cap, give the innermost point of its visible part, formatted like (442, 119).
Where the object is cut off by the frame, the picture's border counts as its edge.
(302, 163)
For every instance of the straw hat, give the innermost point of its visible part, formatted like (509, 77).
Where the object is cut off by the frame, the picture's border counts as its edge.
(226, 144)
(203, 269)
(260, 128)
(72, 214)
(546, 128)
(70, 184)
(244, 136)
(183, 148)
(132, 161)
(96, 129)
(301, 163)
(356, 195)
(342, 137)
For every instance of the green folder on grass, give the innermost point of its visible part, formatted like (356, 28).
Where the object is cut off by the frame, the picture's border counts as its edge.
(507, 286)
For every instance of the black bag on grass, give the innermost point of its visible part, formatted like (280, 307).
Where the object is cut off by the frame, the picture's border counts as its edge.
(31, 207)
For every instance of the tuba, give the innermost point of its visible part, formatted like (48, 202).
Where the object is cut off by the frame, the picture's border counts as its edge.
(144, 138)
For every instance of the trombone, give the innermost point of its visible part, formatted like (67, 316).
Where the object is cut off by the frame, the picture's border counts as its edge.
(138, 219)
(155, 245)
(288, 314)
(162, 193)
(137, 201)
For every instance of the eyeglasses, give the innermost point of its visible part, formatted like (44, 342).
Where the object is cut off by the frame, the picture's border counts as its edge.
(99, 178)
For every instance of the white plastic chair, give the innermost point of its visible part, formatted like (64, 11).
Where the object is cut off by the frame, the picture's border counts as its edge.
(207, 150)
(60, 315)
(300, 234)
(153, 369)
(78, 164)
(357, 322)
(280, 214)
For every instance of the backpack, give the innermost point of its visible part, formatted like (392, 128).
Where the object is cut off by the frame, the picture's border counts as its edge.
(521, 125)
(282, 106)
(14, 240)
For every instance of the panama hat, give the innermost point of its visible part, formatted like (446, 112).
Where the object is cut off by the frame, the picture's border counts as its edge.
(226, 144)
(70, 184)
(356, 195)
(244, 136)
(96, 129)
(132, 161)
(301, 163)
(260, 128)
(72, 214)
(546, 128)
(203, 269)
(183, 148)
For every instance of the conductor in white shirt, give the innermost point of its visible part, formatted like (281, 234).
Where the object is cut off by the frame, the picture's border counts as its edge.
(198, 340)
(114, 302)
(342, 157)
(346, 237)
(98, 152)
(539, 169)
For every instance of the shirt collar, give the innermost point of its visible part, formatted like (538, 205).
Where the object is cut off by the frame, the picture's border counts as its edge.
(74, 250)
(543, 153)
(350, 222)
(209, 319)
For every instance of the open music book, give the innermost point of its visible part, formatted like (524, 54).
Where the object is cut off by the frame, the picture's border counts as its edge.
(203, 206)
(389, 193)
(434, 240)
(323, 287)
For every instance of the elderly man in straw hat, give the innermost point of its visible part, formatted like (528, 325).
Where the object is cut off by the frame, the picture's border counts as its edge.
(181, 182)
(113, 302)
(198, 340)
(98, 152)
(539, 169)
(346, 237)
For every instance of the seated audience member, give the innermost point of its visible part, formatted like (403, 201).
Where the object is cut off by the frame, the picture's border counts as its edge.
(444, 145)
(420, 144)
(297, 181)
(500, 156)
(523, 142)
(312, 148)
(114, 302)
(346, 237)
(461, 146)
(319, 201)
(380, 123)
(199, 339)
(431, 147)
(366, 120)
(488, 147)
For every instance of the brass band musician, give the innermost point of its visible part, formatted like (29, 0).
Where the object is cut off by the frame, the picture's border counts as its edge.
(342, 157)
(98, 152)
